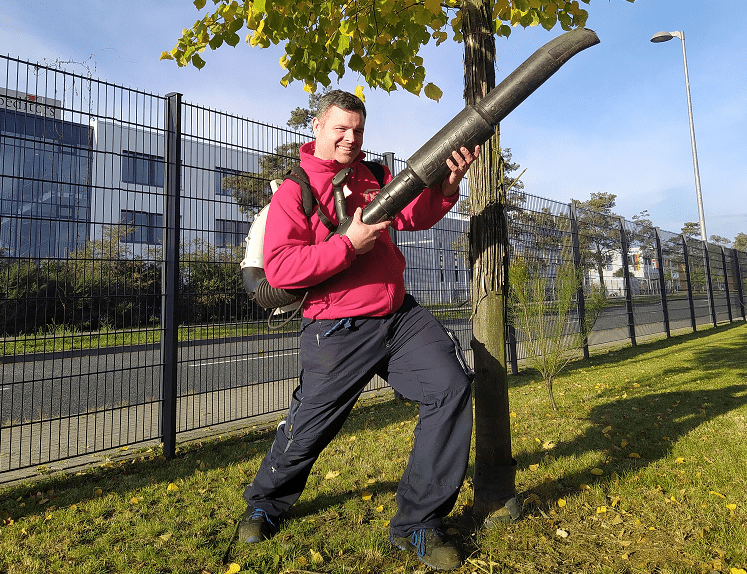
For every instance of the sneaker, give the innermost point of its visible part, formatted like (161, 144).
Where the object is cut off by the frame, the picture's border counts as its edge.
(256, 525)
(434, 549)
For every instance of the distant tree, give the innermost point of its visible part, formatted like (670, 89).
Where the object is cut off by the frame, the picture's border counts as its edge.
(740, 242)
(598, 230)
(691, 229)
(300, 118)
(719, 240)
(252, 190)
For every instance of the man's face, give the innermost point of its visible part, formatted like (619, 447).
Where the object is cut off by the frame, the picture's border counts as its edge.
(339, 135)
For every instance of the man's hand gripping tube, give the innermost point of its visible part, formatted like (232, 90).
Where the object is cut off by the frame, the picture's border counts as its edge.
(473, 126)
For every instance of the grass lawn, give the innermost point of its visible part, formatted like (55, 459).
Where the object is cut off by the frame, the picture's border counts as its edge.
(644, 469)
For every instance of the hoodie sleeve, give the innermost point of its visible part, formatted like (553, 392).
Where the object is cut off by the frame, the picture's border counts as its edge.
(425, 211)
(294, 251)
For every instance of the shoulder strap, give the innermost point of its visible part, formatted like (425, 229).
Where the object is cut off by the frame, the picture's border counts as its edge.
(308, 200)
(376, 169)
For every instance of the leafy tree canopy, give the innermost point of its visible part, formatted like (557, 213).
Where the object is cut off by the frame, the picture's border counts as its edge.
(720, 240)
(740, 242)
(691, 229)
(378, 39)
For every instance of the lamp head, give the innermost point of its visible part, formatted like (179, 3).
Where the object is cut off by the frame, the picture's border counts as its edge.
(662, 37)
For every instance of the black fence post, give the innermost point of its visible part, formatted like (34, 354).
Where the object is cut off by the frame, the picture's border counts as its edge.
(738, 282)
(709, 283)
(689, 283)
(662, 285)
(512, 354)
(170, 275)
(580, 300)
(628, 282)
(726, 284)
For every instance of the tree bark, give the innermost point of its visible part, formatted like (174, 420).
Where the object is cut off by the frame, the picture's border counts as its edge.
(495, 469)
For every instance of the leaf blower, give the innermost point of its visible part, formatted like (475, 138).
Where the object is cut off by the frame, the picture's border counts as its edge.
(474, 125)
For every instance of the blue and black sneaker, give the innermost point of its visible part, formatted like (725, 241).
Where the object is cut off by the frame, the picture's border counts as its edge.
(256, 525)
(432, 547)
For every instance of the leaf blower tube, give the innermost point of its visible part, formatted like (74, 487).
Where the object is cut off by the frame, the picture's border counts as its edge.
(472, 126)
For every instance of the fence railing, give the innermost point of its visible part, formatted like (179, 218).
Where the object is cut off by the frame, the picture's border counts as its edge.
(656, 282)
(123, 314)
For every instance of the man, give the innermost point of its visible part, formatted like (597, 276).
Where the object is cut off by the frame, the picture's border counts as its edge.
(358, 321)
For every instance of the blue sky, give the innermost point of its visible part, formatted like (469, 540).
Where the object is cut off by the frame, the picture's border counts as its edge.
(614, 119)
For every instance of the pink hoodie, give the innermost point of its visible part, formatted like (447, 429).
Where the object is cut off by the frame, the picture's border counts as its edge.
(342, 284)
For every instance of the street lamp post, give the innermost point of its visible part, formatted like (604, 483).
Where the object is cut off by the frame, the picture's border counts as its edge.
(664, 37)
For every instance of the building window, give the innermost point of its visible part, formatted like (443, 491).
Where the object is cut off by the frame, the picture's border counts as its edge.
(146, 227)
(230, 233)
(142, 169)
(221, 187)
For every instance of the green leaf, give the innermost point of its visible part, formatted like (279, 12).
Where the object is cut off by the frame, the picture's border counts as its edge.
(198, 62)
(259, 6)
(199, 4)
(232, 39)
(433, 6)
(433, 92)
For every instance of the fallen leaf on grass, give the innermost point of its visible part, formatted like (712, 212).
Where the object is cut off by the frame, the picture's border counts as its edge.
(332, 474)
(679, 460)
(316, 557)
(561, 502)
(171, 487)
(233, 568)
(607, 429)
(380, 508)
(134, 500)
(597, 471)
(166, 536)
(366, 495)
(533, 467)
(601, 509)
(98, 492)
(634, 455)
(562, 533)
(738, 571)
(717, 494)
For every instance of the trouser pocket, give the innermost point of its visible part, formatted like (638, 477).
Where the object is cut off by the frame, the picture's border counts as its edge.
(460, 355)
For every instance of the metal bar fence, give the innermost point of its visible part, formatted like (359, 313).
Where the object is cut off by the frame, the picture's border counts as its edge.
(124, 317)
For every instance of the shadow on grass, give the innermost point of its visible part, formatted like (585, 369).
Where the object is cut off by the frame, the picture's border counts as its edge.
(652, 423)
(142, 468)
(711, 358)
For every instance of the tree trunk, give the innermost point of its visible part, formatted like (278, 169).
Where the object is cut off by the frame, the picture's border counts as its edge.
(495, 469)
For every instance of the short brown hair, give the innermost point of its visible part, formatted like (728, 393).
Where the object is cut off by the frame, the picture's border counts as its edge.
(341, 99)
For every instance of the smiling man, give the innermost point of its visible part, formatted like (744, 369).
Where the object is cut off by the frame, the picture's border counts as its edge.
(358, 322)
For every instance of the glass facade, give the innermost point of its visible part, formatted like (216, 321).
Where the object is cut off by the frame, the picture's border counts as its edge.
(45, 193)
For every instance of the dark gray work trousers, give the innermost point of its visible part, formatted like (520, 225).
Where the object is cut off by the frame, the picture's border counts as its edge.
(409, 349)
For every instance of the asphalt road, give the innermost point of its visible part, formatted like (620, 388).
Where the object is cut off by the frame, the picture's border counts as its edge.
(43, 387)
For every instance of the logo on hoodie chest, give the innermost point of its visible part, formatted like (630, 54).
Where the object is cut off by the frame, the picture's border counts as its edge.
(368, 195)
